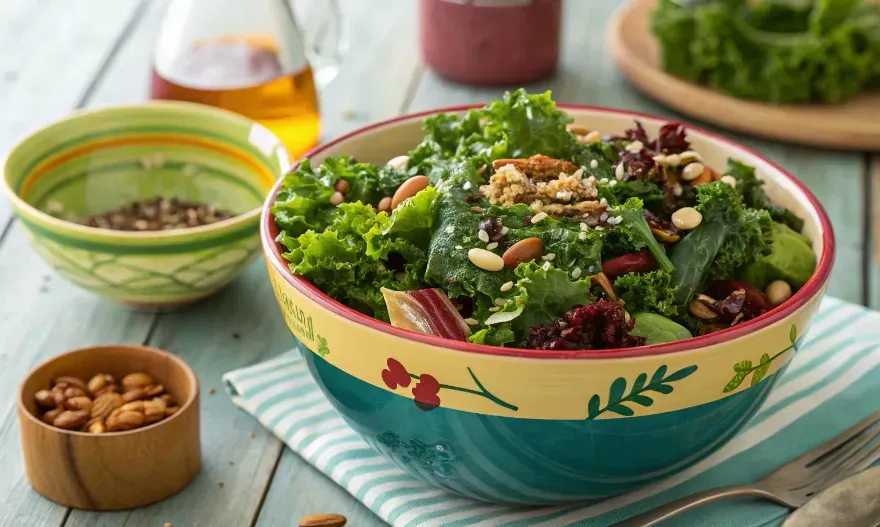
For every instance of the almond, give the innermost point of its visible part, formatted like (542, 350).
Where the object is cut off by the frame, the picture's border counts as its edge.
(45, 399)
(98, 382)
(79, 403)
(71, 419)
(74, 391)
(104, 404)
(408, 189)
(323, 520)
(71, 381)
(50, 416)
(126, 420)
(135, 394)
(97, 426)
(136, 380)
(154, 411)
(153, 390)
(523, 251)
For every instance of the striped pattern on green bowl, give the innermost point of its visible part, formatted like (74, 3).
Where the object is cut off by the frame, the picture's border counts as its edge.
(97, 160)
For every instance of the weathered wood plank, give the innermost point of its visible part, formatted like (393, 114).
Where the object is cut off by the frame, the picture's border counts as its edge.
(587, 75)
(42, 315)
(238, 327)
(52, 50)
(299, 489)
(872, 256)
(202, 335)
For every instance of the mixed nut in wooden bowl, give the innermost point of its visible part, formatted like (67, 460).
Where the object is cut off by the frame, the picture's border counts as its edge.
(96, 419)
(104, 405)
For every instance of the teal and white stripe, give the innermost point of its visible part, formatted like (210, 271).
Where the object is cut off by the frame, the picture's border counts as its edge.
(831, 384)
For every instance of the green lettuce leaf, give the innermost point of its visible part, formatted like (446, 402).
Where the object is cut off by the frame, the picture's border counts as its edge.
(750, 188)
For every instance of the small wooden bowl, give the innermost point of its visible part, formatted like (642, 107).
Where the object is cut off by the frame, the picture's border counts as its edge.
(120, 470)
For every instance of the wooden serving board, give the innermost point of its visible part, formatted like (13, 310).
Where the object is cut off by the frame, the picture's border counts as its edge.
(851, 125)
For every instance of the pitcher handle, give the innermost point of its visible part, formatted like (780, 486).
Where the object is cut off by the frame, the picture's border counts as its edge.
(326, 41)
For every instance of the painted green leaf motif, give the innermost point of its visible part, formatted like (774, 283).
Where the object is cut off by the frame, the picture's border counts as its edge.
(792, 334)
(736, 381)
(618, 398)
(761, 371)
(618, 388)
(640, 382)
(323, 349)
(680, 374)
(621, 410)
(743, 366)
(593, 407)
(659, 374)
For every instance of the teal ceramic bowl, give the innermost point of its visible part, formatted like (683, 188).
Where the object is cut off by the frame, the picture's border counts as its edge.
(98, 160)
(536, 426)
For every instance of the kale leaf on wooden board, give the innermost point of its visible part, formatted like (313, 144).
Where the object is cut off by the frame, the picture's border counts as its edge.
(773, 51)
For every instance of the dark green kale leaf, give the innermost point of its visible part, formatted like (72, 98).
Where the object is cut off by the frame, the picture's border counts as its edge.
(635, 230)
(653, 292)
(729, 237)
(750, 188)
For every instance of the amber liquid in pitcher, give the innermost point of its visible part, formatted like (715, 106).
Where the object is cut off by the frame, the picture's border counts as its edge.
(245, 75)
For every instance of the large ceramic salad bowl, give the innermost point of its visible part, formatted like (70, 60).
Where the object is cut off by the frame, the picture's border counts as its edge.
(546, 426)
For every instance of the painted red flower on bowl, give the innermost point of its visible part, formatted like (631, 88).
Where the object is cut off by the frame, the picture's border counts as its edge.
(395, 375)
(425, 393)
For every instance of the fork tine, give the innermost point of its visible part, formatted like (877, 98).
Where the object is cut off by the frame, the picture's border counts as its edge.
(858, 462)
(843, 462)
(842, 438)
(846, 450)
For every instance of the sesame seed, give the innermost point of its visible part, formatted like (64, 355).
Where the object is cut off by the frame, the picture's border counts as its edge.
(494, 309)
(582, 236)
(603, 202)
(459, 247)
(603, 181)
(545, 258)
(491, 246)
(729, 180)
(594, 164)
(576, 273)
(615, 220)
(471, 321)
(612, 182)
(592, 180)
(450, 229)
(584, 226)
(546, 266)
(579, 173)
(537, 218)
(659, 159)
(382, 268)
(603, 216)
(507, 286)
(501, 301)
(504, 230)
(483, 236)
(551, 256)
(677, 190)
(619, 171)
(466, 186)
(600, 228)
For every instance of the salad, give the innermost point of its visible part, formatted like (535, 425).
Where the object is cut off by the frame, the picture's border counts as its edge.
(511, 226)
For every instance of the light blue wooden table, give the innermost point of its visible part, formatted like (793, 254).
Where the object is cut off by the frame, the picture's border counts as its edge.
(59, 55)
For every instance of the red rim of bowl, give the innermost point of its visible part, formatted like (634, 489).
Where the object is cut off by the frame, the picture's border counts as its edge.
(269, 231)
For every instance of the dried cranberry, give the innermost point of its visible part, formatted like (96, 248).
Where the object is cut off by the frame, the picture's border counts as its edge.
(493, 228)
(731, 306)
(527, 220)
(640, 262)
(756, 300)
(672, 139)
(633, 134)
(601, 325)
(639, 165)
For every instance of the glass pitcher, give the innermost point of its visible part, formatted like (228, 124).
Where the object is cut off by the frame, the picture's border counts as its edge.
(251, 57)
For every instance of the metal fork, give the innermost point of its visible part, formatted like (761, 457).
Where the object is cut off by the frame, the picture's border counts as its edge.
(793, 484)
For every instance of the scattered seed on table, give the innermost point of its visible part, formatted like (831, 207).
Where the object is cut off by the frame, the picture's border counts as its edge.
(211, 391)
(220, 484)
(252, 435)
(236, 336)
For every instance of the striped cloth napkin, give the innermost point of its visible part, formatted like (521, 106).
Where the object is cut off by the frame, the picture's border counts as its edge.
(833, 382)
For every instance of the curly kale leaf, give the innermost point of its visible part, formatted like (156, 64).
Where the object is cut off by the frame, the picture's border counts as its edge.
(750, 188)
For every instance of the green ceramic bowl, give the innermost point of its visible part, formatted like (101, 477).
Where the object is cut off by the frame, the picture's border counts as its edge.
(97, 160)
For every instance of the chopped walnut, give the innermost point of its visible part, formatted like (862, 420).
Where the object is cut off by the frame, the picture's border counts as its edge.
(566, 193)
